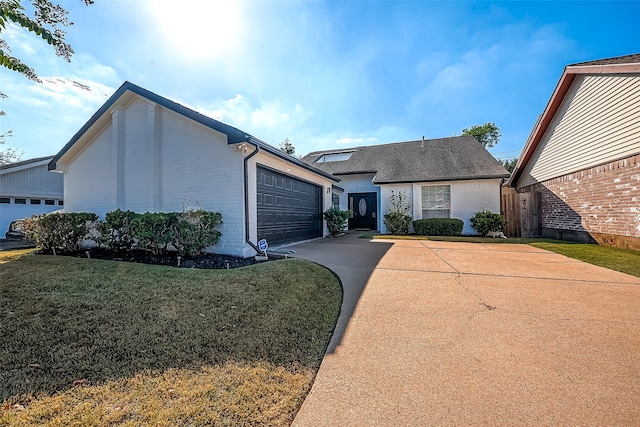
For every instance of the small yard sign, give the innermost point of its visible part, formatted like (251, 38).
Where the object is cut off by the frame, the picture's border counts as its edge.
(263, 245)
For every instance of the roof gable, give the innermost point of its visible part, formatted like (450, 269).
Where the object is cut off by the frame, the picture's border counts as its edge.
(628, 64)
(234, 135)
(444, 159)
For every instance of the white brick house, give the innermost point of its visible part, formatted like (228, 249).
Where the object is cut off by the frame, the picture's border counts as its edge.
(146, 153)
(446, 178)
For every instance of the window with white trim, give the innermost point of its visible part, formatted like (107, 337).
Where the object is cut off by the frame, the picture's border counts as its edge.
(436, 201)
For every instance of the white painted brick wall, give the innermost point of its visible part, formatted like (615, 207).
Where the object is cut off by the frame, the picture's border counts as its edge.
(88, 178)
(196, 169)
(467, 198)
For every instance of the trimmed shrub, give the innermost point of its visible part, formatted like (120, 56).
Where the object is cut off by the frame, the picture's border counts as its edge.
(195, 230)
(485, 221)
(59, 230)
(115, 231)
(397, 223)
(152, 231)
(438, 226)
(336, 220)
(398, 220)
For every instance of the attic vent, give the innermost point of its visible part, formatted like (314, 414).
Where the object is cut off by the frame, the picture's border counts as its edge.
(334, 157)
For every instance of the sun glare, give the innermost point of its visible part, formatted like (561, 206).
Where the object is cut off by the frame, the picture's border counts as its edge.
(198, 29)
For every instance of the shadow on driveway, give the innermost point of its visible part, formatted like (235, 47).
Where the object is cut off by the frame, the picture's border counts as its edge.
(353, 259)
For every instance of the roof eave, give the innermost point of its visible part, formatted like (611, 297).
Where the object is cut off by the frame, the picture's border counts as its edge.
(567, 79)
(276, 152)
(542, 124)
(234, 135)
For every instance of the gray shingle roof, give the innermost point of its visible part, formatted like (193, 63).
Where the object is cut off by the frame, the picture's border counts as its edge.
(444, 159)
(618, 60)
(24, 162)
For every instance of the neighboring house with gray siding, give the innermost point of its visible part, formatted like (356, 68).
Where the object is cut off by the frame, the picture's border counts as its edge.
(582, 159)
(447, 177)
(143, 152)
(27, 188)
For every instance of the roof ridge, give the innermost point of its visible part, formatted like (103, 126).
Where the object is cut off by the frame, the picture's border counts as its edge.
(386, 144)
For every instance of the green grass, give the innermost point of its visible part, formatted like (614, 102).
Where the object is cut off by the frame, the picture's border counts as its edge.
(78, 335)
(623, 260)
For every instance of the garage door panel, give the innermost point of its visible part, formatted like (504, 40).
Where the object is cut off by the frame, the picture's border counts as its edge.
(288, 209)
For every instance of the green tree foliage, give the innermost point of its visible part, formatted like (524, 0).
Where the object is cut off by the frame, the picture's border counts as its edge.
(45, 23)
(287, 147)
(487, 134)
(509, 164)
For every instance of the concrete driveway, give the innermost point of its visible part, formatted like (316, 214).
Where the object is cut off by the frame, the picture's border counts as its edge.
(478, 334)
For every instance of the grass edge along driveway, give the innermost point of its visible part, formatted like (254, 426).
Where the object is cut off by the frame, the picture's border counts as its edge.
(91, 342)
(618, 259)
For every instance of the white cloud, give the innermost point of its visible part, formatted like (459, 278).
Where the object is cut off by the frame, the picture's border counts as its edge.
(270, 120)
(80, 94)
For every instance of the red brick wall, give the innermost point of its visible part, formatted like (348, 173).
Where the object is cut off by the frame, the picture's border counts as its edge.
(604, 199)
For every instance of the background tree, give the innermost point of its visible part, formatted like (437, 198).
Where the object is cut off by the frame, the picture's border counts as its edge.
(287, 147)
(487, 134)
(509, 164)
(45, 23)
(8, 155)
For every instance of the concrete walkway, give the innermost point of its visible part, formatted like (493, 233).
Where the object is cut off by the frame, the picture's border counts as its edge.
(475, 334)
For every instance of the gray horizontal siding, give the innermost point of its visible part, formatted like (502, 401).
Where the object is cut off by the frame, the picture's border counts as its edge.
(598, 122)
(32, 182)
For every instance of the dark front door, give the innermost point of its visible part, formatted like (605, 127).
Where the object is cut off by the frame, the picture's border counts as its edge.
(365, 210)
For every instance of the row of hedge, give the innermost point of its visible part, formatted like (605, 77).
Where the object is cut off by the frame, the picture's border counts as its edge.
(190, 232)
(483, 222)
(438, 226)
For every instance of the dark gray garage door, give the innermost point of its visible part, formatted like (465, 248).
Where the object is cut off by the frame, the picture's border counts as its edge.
(289, 209)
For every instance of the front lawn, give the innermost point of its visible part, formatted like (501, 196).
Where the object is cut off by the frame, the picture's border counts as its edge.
(624, 260)
(92, 342)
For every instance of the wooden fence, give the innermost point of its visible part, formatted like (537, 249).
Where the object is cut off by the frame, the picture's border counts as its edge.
(522, 213)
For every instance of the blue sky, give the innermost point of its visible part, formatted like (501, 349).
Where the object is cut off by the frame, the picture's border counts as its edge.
(322, 74)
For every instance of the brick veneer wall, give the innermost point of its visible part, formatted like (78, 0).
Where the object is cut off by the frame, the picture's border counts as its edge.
(603, 201)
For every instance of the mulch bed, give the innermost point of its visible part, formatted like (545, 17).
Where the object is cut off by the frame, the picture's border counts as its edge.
(206, 261)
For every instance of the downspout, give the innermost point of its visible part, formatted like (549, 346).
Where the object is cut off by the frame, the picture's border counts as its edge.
(502, 181)
(246, 197)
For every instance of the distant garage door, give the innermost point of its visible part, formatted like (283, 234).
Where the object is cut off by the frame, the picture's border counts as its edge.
(289, 209)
